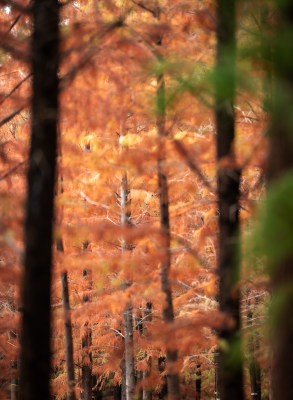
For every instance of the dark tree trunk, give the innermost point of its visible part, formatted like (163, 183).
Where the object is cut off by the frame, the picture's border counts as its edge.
(280, 163)
(230, 368)
(162, 394)
(14, 381)
(216, 363)
(86, 343)
(173, 381)
(255, 380)
(254, 369)
(35, 340)
(123, 378)
(68, 338)
(198, 382)
(117, 392)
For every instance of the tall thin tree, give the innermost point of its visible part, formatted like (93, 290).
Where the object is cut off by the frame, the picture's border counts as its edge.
(35, 339)
(228, 180)
(280, 163)
(173, 381)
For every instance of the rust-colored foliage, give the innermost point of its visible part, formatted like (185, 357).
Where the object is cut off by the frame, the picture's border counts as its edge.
(110, 60)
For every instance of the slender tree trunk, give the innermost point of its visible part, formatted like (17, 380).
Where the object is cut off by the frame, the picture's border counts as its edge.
(254, 369)
(125, 204)
(123, 373)
(86, 371)
(255, 380)
(146, 392)
(173, 381)
(129, 359)
(280, 163)
(164, 389)
(68, 338)
(230, 368)
(216, 363)
(36, 329)
(86, 343)
(117, 392)
(14, 382)
(198, 382)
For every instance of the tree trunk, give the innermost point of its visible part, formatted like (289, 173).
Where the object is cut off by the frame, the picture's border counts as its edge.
(230, 367)
(164, 389)
(36, 329)
(86, 343)
(146, 392)
(123, 376)
(14, 382)
(129, 359)
(280, 163)
(125, 204)
(168, 313)
(216, 363)
(254, 369)
(198, 382)
(68, 338)
(117, 392)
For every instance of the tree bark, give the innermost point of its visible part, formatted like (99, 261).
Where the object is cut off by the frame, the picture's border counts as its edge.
(36, 329)
(280, 163)
(228, 179)
(86, 343)
(216, 363)
(146, 392)
(254, 369)
(173, 381)
(125, 204)
(117, 392)
(198, 382)
(68, 338)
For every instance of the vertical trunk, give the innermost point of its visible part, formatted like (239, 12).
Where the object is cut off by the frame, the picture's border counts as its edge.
(86, 362)
(117, 392)
(125, 204)
(216, 363)
(146, 392)
(198, 382)
(230, 367)
(129, 359)
(14, 382)
(280, 163)
(86, 343)
(35, 341)
(164, 389)
(254, 369)
(255, 380)
(123, 379)
(68, 338)
(168, 313)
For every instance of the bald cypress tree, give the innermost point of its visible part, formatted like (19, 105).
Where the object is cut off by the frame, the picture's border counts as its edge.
(228, 180)
(35, 351)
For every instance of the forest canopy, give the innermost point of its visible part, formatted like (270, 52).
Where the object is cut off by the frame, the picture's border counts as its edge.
(146, 153)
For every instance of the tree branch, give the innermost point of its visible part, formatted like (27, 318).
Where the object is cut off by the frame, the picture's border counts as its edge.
(15, 88)
(12, 170)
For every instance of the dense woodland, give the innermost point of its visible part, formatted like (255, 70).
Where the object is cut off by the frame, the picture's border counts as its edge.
(146, 197)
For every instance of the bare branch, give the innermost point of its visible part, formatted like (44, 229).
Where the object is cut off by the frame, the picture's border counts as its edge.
(192, 164)
(144, 7)
(119, 333)
(11, 116)
(15, 88)
(12, 170)
(16, 6)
